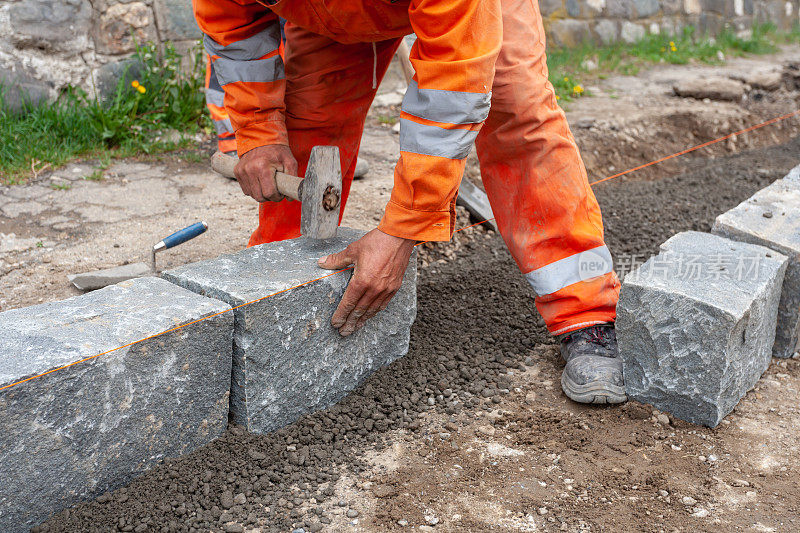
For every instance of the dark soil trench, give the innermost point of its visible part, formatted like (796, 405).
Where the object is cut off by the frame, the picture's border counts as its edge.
(476, 321)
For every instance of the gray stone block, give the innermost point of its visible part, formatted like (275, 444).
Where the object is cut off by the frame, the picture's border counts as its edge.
(770, 218)
(696, 323)
(91, 427)
(288, 359)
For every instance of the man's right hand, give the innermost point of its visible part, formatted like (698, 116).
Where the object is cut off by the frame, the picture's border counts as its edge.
(256, 169)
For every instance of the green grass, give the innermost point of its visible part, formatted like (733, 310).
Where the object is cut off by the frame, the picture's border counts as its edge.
(568, 66)
(126, 124)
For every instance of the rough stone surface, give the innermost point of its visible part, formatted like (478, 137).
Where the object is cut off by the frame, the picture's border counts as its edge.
(696, 324)
(176, 20)
(630, 32)
(288, 359)
(770, 218)
(80, 431)
(51, 26)
(712, 88)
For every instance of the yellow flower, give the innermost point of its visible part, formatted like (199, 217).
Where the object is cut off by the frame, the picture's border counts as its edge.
(672, 44)
(135, 83)
(566, 79)
(577, 89)
(141, 89)
(558, 97)
(674, 49)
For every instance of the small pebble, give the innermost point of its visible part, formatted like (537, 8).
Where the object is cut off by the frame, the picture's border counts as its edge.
(688, 500)
(352, 513)
(767, 214)
(402, 522)
(489, 431)
(663, 419)
(542, 511)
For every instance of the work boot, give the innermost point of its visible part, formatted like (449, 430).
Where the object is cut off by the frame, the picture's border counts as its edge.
(594, 371)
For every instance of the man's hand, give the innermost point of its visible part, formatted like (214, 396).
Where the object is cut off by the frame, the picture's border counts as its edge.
(380, 262)
(255, 171)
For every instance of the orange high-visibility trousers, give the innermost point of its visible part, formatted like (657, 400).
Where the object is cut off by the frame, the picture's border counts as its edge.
(215, 95)
(530, 164)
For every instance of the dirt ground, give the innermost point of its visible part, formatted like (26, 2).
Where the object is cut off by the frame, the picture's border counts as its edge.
(470, 431)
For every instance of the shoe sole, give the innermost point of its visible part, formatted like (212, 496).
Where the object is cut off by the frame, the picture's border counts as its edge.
(595, 392)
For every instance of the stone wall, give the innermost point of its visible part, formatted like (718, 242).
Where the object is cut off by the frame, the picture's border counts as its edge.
(46, 45)
(570, 22)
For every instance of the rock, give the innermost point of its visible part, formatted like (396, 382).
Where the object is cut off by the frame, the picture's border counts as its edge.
(233, 528)
(226, 499)
(645, 8)
(21, 87)
(694, 332)
(764, 80)
(688, 500)
(780, 231)
(663, 419)
(352, 513)
(431, 520)
(569, 32)
(487, 430)
(121, 26)
(711, 88)
(89, 428)
(176, 20)
(107, 76)
(362, 168)
(607, 31)
(51, 26)
(631, 33)
(288, 359)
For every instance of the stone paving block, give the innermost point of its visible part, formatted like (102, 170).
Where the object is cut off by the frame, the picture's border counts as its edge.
(696, 324)
(771, 218)
(92, 427)
(288, 359)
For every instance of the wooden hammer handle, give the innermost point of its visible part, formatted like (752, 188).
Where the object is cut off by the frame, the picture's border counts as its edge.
(287, 184)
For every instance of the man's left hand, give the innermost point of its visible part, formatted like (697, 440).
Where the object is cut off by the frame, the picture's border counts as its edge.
(380, 262)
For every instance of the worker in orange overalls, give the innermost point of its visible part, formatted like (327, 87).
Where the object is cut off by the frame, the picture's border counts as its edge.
(215, 96)
(481, 77)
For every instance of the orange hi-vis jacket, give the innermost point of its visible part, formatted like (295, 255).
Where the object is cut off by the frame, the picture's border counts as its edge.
(454, 58)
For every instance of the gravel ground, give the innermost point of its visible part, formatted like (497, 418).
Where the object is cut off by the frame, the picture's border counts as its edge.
(477, 339)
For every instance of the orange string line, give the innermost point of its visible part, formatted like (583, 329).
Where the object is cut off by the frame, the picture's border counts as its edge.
(677, 154)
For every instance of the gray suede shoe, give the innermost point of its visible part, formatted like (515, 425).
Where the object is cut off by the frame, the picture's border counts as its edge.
(594, 371)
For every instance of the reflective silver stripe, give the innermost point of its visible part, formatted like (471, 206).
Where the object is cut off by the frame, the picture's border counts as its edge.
(433, 140)
(261, 70)
(223, 126)
(454, 107)
(259, 45)
(215, 97)
(564, 272)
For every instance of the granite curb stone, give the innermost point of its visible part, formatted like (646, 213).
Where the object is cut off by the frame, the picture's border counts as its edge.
(696, 324)
(771, 218)
(288, 359)
(92, 427)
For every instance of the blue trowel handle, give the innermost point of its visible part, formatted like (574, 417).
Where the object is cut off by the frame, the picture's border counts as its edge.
(186, 234)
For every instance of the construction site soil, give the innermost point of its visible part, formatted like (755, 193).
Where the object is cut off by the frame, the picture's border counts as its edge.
(470, 431)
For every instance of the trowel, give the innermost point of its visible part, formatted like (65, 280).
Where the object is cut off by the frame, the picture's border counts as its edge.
(97, 279)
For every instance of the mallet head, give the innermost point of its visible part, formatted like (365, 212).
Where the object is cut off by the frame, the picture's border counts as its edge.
(321, 194)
